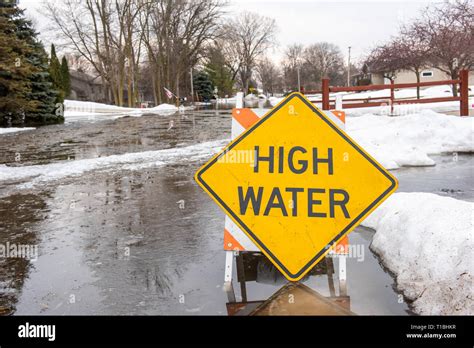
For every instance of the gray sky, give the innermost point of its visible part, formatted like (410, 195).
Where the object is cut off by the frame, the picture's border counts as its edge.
(355, 23)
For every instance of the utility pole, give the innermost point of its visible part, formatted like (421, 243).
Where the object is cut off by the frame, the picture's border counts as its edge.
(299, 81)
(349, 68)
(177, 90)
(192, 86)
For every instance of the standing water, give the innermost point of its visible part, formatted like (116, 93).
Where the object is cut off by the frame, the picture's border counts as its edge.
(121, 227)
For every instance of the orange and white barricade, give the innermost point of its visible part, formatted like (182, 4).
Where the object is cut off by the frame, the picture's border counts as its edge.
(235, 240)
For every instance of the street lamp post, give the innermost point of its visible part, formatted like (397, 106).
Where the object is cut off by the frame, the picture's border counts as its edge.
(299, 80)
(349, 68)
(192, 86)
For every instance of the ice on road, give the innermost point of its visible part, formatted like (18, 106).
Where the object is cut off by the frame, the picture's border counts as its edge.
(14, 130)
(75, 109)
(130, 161)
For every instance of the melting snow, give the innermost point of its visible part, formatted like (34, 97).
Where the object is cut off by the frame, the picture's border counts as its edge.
(14, 130)
(408, 140)
(426, 240)
(130, 161)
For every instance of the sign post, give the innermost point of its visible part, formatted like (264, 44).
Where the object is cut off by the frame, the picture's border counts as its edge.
(296, 184)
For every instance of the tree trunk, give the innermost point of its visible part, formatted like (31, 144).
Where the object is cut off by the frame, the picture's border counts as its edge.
(454, 76)
(130, 89)
(417, 72)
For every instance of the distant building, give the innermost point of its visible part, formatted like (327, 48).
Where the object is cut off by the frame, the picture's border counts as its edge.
(85, 87)
(407, 76)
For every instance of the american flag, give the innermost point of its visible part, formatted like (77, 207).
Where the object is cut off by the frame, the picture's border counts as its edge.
(169, 94)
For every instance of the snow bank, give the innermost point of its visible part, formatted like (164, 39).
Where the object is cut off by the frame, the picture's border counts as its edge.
(274, 100)
(14, 130)
(93, 108)
(130, 161)
(78, 109)
(426, 241)
(163, 107)
(250, 97)
(408, 140)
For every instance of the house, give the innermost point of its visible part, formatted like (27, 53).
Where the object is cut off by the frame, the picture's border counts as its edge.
(85, 87)
(408, 76)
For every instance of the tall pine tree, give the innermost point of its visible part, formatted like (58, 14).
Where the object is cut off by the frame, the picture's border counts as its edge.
(14, 71)
(203, 86)
(65, 77)
(27, 96)
(55, 73)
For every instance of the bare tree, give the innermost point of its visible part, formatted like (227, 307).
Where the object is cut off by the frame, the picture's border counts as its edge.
(248, 37)
(102, 32)
(385, 60)
(406, 51)
(292, 61)
(413, 54)
(324, 59)
(269, 75)
(113, 34)
(78, 63)
(175, 34)
(448, 30)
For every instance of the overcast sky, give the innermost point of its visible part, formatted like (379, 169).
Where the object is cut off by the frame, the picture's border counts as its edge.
(355, 23)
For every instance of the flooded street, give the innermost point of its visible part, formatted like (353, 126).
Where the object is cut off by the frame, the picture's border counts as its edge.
(134, 234)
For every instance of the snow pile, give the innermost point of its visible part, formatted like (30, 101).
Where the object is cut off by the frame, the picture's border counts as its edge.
(79, 109)
(251, 97)
(130, 161)
(14, 130)
(274, 100)
(426, 240)
(408, 140)
(166, 108)
(93, 108)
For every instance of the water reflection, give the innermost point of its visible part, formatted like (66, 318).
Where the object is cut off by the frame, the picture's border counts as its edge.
(113, 137)
(291, 299)
(18, 214)
(150, 241)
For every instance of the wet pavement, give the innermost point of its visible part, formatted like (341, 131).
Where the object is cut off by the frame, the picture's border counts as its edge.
(149, 241)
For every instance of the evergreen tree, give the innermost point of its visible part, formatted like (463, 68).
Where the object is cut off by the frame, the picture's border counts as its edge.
(42, 90)
(65, 77)
(219, 73)
(27, 96)
(14, 70)
(55, 73)
(203, 86)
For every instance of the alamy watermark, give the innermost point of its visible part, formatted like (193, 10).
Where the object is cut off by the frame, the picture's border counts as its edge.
(352, 251)
(238, 157)
(19, 251)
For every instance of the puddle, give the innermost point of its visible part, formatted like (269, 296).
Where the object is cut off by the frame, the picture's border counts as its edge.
(149, 241)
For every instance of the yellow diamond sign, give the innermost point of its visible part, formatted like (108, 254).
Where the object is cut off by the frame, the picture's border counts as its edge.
(296, 184)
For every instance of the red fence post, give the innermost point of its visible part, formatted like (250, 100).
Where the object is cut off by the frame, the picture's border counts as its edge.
(464, 91)
(325, 85)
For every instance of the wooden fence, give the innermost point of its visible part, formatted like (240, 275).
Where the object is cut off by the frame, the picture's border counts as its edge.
(463, 94)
